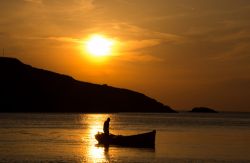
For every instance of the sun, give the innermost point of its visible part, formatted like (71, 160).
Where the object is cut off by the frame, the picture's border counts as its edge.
(99, 46)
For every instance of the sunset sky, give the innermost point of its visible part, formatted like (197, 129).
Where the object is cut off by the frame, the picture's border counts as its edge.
(184, 53)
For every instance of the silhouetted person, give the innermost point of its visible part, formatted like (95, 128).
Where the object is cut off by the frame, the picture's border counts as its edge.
(106, 127)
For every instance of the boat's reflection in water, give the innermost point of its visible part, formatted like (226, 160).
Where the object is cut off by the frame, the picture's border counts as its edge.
(100, 153)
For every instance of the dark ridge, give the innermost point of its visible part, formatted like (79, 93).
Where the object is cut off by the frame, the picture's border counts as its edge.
(28, 89)
(203, 110)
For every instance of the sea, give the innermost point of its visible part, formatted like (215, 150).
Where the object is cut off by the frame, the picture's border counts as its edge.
(180, 137)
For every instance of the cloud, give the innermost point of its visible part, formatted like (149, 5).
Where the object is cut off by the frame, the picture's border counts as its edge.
(240, 35)
(134, 50)
(84, 5)
(133, 40)
(133, 45)
(56, 38)
(73, 4)
(239, 51)
(141, 58)
(129, 50)
(88, 4)
(34, 1)
(64, 39)
(72, 21)
(135, 31)
(126, 31)
(2, 34)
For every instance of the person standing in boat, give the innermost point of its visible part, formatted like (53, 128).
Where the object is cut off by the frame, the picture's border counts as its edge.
(106, 127)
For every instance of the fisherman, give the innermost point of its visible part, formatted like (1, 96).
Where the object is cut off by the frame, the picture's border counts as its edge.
(106, 126)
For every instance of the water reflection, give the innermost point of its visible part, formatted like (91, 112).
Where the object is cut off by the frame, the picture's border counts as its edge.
(106, 153)
(94, 124)
(98, 154)
(70, 138)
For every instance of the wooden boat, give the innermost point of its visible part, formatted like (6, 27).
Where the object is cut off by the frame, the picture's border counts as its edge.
(144, 140)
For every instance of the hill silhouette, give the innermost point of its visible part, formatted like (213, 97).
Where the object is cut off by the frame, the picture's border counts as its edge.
(203, 110)
(28, 89)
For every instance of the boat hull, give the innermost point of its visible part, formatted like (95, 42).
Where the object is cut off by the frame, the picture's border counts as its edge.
(146, 140)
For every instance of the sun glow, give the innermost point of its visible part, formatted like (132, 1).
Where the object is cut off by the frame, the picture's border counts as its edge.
(99, 46)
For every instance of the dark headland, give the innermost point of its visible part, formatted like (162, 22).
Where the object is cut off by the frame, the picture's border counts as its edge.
(203, 110)
(24, 88)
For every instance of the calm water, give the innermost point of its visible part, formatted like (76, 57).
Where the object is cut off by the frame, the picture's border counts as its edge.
(183, 137)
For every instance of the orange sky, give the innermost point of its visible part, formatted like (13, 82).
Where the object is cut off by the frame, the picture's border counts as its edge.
(183, 53)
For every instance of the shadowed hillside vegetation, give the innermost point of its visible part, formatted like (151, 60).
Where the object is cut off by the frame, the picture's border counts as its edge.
(28, 89)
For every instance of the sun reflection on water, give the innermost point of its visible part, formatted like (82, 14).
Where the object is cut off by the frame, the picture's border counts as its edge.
(94, 124)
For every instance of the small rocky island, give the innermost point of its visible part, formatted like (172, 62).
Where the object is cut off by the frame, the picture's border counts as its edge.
(202, 110)
(28, 89)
